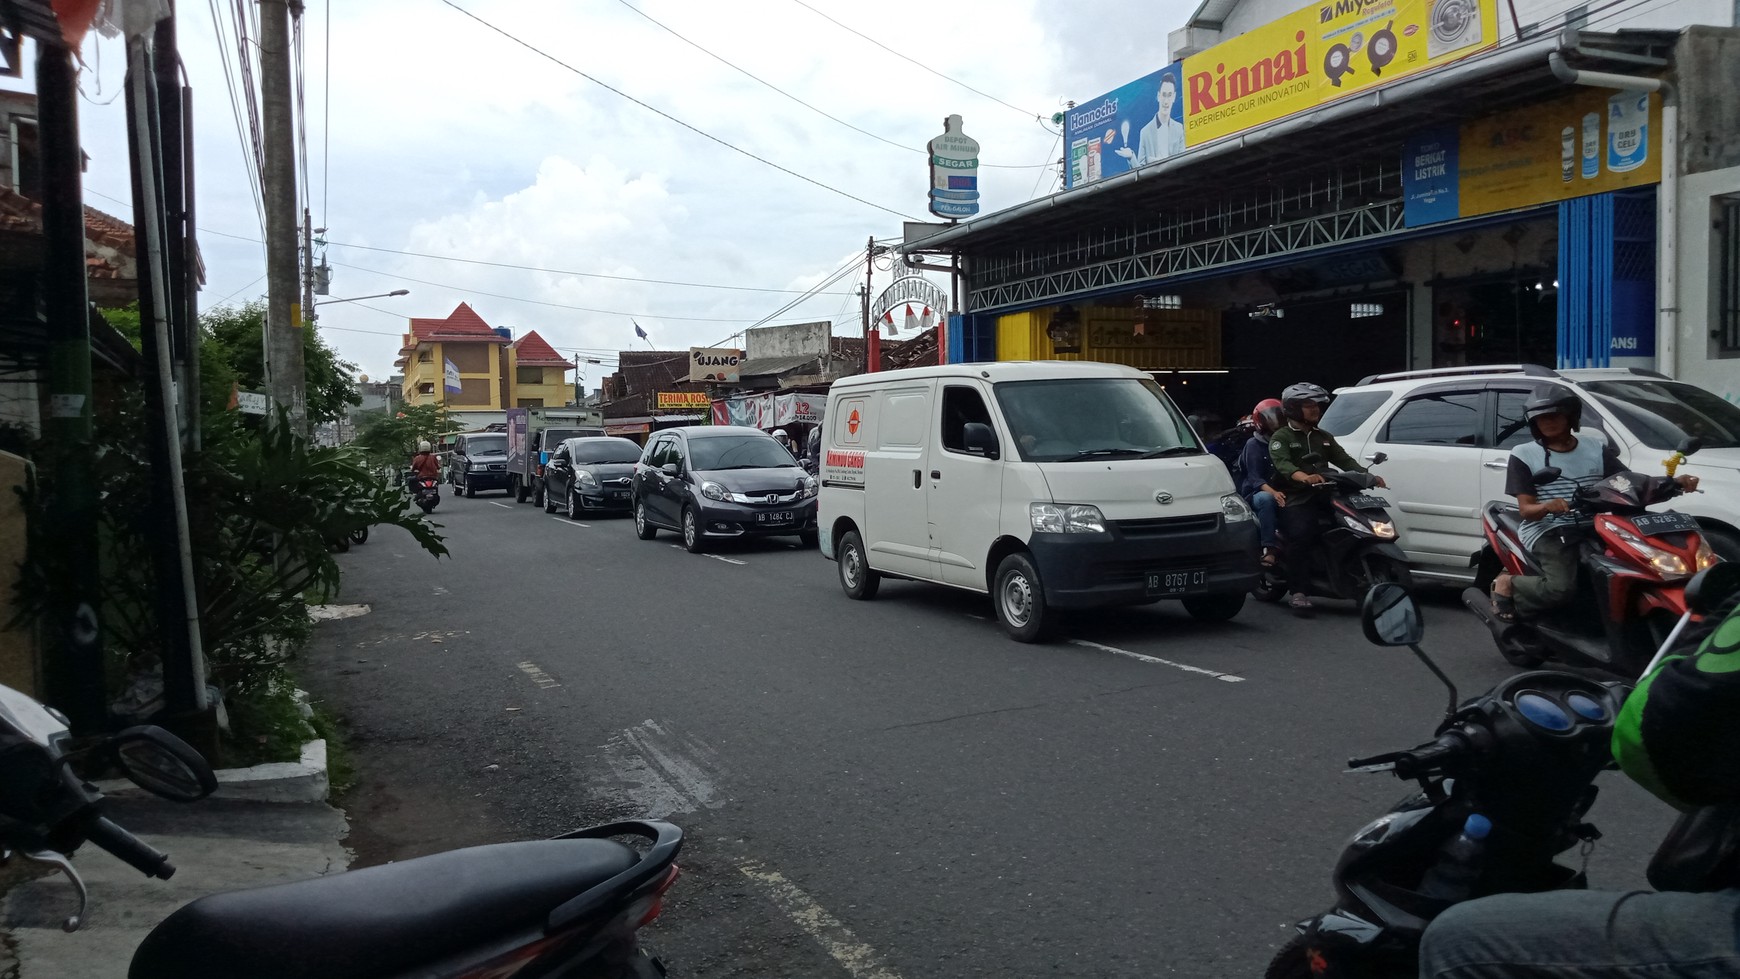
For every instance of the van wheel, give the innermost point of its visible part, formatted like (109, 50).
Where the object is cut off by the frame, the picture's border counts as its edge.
(1214, 608)
(857, 579)
(643, 527)
(1020, 600)
(521, 491)
(693, 542)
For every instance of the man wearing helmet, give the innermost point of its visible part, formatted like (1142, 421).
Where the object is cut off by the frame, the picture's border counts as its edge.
(424, 465)
(1302, 406)
(1549, 529)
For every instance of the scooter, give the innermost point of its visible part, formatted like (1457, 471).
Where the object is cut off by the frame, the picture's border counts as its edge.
(1518, 763)
(425, 492)
(1357, 548)
(570, 906)
(1634, 562)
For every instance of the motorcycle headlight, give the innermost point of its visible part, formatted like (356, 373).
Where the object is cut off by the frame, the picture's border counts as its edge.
(1235, 508)
(1705, 556)
(585, 478)
(714, 491)
(1377, 528)
(1665, 563)
(1055, 518)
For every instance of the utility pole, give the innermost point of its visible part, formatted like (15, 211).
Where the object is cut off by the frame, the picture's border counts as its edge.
(869, 268)
(286, 380)
(577, 387)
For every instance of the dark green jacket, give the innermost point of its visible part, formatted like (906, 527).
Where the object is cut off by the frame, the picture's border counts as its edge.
(1289, 447)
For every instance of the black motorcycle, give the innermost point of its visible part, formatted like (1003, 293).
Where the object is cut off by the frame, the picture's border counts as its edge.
(425, 492)
(1357, 547)
(570, 906)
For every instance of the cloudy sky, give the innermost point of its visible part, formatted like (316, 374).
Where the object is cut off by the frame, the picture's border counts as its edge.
(431, 133)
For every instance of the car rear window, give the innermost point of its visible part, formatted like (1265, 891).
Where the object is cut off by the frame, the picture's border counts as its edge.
(1349, 411)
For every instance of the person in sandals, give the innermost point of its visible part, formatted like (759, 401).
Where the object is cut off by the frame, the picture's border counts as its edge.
(1550, 530)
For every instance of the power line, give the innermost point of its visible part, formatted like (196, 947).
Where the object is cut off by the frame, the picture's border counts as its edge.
(536, 268)
(326, 125)
(897, 54)
(700, 132)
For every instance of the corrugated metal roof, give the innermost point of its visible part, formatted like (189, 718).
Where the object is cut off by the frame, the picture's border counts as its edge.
(764, 366)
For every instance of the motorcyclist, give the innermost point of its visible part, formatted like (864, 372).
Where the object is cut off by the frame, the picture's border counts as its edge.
(1678, 736)
(1550, 530)
(1256, 475)
(781, 436)
(424, 465)
(1302, 406)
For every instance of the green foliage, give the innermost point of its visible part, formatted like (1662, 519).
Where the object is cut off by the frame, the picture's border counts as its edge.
(236, 337)
(390, 441)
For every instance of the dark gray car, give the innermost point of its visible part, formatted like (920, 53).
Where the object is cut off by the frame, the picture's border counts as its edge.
(591, 474)
(479, 462)
(713, 483)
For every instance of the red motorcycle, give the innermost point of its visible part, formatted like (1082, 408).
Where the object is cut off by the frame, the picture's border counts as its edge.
(1633, 571)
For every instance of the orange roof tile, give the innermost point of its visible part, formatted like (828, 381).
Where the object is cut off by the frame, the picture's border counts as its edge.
(534, 351)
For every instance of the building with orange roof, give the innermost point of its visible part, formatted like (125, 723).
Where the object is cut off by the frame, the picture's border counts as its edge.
(461, 361)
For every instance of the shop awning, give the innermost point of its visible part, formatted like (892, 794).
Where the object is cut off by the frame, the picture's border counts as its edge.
(1371, 123)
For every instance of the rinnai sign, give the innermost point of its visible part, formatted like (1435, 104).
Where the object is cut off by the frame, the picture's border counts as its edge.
(715, 364)
(683, 399)
(1302, 61)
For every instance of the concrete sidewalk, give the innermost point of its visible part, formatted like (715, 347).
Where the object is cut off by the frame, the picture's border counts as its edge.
(215, 845)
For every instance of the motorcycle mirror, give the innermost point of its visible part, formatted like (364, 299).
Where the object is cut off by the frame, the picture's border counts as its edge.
(1380, 458)
(1689, 446)
(1545, 475)
(1711, 589)
(1391, 616)
(163, 764)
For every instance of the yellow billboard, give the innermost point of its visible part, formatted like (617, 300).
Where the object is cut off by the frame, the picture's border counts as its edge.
(1324, 52)
(1589, 142)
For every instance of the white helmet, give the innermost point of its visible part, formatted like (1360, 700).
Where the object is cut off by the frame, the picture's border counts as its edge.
(780, 433)
(423, 446)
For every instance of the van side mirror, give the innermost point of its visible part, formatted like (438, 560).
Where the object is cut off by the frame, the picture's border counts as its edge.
(980, 439)
(1545, 475)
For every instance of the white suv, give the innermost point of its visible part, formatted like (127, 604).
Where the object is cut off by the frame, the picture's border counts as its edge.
(1448, 435)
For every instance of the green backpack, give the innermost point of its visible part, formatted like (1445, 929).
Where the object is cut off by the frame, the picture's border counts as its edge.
(1678, 734)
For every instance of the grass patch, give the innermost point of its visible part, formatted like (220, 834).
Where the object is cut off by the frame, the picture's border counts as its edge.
(267, 724)
(340, 764)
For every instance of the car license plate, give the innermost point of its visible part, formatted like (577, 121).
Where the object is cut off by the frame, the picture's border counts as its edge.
(1177, 582)
(1664, 523)
(777, 518)
(1366, 501)
(619, 494)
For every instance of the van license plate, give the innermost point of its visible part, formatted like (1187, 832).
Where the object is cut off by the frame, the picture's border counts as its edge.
(774, 519)
(1177, 582)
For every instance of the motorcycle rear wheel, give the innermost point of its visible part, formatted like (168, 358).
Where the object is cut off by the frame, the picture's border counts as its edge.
(1291, 962)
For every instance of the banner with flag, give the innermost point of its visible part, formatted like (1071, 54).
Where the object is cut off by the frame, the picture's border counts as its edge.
(453, 384)
(887, 324)
(911, 320)
(638, 331)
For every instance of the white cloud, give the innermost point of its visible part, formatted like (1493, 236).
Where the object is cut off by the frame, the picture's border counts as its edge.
(444, 137)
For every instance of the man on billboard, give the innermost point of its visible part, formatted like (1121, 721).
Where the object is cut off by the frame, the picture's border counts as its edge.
(1163, 136)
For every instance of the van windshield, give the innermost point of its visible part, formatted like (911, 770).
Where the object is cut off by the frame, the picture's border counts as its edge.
(1082, 419)
(492, 445)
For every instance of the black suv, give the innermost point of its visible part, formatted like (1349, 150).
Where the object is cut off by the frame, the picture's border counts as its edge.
(715, 482)
(479, 462)
(591, 474)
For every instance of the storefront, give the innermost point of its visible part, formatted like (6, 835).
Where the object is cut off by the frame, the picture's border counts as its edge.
(1504, 206)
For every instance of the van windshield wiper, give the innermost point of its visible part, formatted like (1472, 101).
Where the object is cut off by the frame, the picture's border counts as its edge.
(1101, 454)
(1174, 450)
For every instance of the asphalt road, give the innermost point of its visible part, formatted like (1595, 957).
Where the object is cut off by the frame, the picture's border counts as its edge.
(891, 788)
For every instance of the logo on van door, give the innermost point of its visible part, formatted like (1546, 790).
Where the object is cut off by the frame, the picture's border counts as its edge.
(1162, 497)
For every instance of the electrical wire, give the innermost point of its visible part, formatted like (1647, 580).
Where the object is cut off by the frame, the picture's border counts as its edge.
(700, 132)
(248, 160)
(326, 125)
(1055, 144)
(819, 111)
(897, 54)
(535, 268)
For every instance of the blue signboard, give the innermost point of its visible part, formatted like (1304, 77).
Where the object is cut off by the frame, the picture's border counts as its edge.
(1429, 177)
(1129, 127)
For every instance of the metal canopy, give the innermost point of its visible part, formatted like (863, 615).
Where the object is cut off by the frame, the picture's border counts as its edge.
(1319, 178)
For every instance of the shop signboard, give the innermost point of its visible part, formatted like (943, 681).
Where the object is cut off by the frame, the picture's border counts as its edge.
(721, 412)
(799, 409)
(954, 172)
(714, 365)
(1306, 59)
(1591, 141)
(667, 400)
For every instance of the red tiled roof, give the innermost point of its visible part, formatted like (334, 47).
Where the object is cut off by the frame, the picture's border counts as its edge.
(107, 238)
(461, 324)
(533, 351)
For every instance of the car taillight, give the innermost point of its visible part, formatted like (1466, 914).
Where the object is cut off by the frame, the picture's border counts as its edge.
(658, 897)
(538, 470)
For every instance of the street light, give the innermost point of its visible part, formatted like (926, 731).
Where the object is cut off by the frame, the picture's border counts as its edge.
(378, 295)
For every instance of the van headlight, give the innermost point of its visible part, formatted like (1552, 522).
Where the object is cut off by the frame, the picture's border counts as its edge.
(714, 491)
(1055, 518)
(1235, 508)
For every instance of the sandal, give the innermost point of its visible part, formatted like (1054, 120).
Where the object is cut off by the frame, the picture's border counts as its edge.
(1270, 557)
(1301, 606)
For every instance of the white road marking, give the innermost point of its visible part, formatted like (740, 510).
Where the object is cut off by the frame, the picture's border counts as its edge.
(440, 590)
(661, 771)
(1228, 677)
(544, 680)
(571, 523)
(858, 958)
(716, 557)
(504, 506)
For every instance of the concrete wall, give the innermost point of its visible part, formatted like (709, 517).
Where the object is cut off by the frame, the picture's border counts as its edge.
(795, 340)
(1698, 359)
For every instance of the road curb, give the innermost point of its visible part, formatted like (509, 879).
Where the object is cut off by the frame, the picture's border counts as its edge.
(304, 780)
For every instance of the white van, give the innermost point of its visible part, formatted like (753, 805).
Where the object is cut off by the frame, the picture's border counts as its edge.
(1049, 485)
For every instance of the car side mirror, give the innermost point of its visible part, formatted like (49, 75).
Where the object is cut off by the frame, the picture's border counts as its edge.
(1545, 475)
(1689, 446)
(979, 439)
(670, 469)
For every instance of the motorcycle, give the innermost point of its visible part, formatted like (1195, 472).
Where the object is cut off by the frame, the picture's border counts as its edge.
(1357, 548)
(1636, 563)
(425, 492)
(1519, 762)
(568, 906)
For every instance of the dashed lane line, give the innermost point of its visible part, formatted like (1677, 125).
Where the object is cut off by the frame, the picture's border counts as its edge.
(1102, 647)
(504, 506)
(717, 557)
(856, 957)
(564, 521)
(544, 680)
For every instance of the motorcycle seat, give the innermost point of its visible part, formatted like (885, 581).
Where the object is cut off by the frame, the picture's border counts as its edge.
(379, 921)
(1506, 516)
